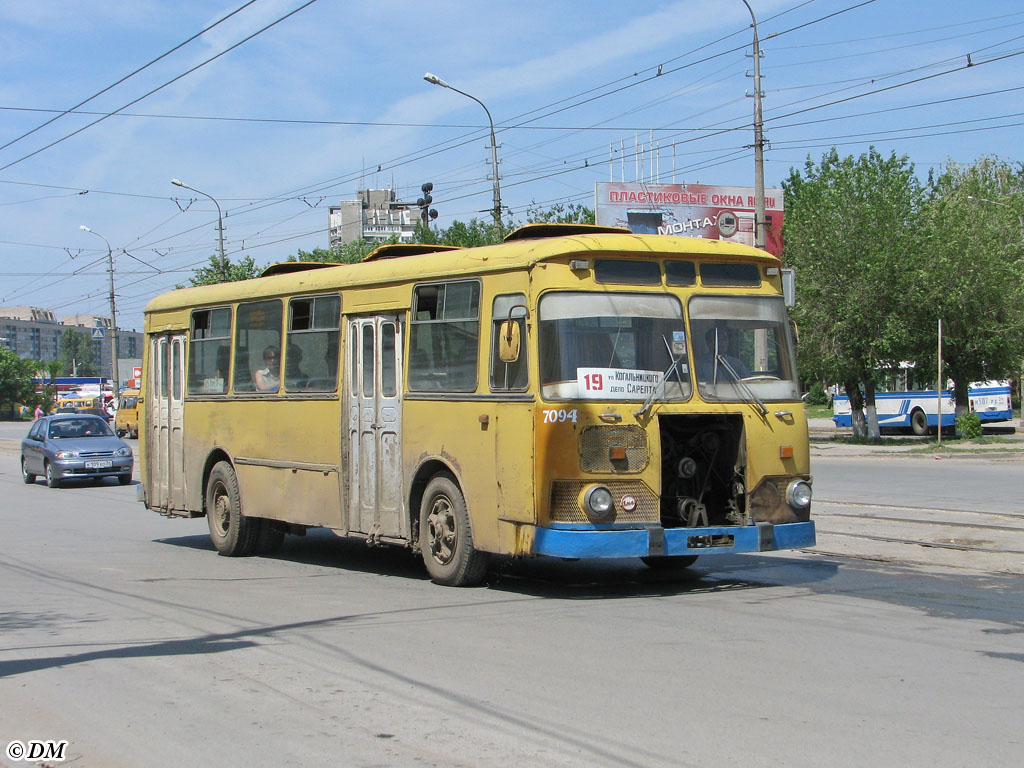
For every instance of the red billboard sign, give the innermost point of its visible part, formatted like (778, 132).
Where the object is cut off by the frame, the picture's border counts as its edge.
(694, 210)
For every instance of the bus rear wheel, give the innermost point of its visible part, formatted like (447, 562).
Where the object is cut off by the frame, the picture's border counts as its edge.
(233, 534)
(446, 540)
(919, 423)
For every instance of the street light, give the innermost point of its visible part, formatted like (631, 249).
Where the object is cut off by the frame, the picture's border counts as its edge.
(115, 381)
(220, 222)
(759, 220)
(435, 80)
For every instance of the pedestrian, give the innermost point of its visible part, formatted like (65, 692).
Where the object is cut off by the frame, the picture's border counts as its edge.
(39, 413)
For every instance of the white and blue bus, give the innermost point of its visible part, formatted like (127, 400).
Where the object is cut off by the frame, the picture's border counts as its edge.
(918, 410)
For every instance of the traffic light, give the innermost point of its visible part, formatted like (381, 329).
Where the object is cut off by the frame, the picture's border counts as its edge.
(426, 212)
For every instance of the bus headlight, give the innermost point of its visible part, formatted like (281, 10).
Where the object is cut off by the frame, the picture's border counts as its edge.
(597, 502)
(798, 494)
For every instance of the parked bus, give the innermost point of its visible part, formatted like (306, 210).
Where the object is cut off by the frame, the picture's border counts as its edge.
(575, 392)
(918, 410)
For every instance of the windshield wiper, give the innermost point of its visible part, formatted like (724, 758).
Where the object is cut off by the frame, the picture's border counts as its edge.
(745, 391)
(672, 366)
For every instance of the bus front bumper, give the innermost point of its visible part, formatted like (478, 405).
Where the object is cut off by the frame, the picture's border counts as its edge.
(585, 542)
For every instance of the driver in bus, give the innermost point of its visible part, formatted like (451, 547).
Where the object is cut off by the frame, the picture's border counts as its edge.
(720, 338)
(268, 378)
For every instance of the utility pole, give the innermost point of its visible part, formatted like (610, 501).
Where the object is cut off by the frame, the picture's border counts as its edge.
(114, 382)
(759, 217)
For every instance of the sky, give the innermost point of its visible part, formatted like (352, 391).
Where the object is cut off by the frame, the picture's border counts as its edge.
(278, 116)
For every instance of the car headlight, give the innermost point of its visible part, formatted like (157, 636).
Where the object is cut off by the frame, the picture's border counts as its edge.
(126, 451)
(597, 502)
(798, 494)
(66, 454)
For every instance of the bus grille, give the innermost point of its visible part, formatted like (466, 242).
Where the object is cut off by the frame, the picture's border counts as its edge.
(566, 506)
(596, 443)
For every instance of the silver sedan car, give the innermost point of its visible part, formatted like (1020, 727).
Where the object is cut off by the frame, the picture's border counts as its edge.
(68, 446)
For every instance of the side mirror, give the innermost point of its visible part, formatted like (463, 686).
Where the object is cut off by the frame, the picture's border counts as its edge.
(789, 287)
(508, 341)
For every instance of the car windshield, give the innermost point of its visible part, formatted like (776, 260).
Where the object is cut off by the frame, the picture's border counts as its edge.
(613, 346)
(87, 426)
(742, 348)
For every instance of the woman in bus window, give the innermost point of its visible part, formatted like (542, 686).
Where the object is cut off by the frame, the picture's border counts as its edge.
(268, 378)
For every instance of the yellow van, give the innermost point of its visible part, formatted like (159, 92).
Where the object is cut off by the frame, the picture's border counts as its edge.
(127, 420)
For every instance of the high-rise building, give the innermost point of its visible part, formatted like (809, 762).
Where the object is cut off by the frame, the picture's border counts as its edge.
(375, 216)
(35, 333)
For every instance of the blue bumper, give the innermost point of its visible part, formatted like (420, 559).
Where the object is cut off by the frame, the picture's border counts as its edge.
(583, 542)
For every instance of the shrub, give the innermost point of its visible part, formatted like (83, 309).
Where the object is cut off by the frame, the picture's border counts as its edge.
(816, 395)
(968, 426)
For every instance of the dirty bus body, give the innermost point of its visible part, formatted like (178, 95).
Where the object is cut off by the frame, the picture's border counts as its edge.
(575, 391)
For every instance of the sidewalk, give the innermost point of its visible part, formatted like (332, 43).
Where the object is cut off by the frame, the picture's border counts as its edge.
(825, 441)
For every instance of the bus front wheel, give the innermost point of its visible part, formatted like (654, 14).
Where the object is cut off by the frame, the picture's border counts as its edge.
(919, 423)
(446, 540)
(233, 534)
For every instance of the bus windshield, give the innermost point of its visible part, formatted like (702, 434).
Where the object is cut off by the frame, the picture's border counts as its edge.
(613, 346)
(742, 348)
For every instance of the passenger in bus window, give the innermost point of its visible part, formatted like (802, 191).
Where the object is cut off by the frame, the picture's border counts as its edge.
(294, 376)
(268, 378)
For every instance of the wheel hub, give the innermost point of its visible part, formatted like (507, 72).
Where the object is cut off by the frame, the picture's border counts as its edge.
(222, 512)
(441, 530)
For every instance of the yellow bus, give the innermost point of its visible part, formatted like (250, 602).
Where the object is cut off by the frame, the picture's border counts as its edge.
(573, 392)
(78, 401)
(126, 421)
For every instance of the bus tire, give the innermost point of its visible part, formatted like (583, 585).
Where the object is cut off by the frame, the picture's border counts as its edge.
(446, 540)
(919, 423)
(669, 562)
(233, 534)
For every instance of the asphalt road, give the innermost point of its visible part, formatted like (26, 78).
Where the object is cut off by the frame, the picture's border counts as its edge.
(125, 634)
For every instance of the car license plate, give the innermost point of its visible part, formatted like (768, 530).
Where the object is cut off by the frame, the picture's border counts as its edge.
(98, 464)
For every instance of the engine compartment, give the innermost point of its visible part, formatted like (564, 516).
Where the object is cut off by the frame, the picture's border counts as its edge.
(703, 470)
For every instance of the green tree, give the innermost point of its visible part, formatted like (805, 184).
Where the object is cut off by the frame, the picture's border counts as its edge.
(48, 398)
(244, 269)
(16, 385)
(850, 233)
(348, 253)
(572, 213)
(971, 274)
(76, 353)
(461, 234)
(476, 232)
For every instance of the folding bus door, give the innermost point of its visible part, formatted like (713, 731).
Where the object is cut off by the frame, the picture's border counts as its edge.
(166, 418)
(374, 426)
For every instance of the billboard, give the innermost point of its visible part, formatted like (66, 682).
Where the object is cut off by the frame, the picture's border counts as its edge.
(694, 210)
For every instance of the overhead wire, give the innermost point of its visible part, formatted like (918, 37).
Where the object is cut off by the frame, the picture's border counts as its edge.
(161, 87)
(179, 46)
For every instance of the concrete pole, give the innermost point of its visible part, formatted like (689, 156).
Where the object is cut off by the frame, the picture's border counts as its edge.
(759, 217)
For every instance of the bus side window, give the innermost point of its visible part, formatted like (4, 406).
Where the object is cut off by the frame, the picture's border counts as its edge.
(509, 377)
(257, 333)
(444, 337)
(311, 357)
(209, 351)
